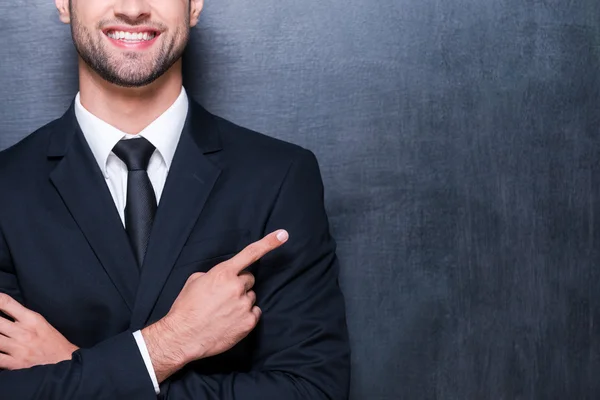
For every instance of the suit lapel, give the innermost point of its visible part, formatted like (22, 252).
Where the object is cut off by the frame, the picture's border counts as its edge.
(80, 183)
(189, 183)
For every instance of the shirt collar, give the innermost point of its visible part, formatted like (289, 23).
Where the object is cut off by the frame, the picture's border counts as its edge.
(164, 132)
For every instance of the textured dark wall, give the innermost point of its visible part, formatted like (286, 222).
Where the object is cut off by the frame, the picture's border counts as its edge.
(458, 143)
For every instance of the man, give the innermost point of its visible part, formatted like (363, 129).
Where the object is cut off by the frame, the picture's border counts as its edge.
(149, 248)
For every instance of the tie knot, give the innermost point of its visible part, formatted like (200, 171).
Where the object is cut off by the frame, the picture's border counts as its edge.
(135, 153)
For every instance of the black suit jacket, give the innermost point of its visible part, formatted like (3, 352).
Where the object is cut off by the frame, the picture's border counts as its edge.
(64, 253)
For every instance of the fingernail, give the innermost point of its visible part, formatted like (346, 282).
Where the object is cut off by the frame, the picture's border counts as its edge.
(282, 236)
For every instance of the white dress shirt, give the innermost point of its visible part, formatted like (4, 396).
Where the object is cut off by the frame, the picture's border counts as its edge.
(164, 134)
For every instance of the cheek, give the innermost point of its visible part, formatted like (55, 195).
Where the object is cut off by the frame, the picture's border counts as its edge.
(170, 7)
(172, 13)
(91, 12)
(178, 34)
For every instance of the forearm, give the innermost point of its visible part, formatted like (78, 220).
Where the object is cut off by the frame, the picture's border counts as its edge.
(316, 366)
(255, 385)
(298, 372)
(113, 370)
(164, 348)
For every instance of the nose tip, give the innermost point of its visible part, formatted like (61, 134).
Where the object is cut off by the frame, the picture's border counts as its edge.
(132, 10)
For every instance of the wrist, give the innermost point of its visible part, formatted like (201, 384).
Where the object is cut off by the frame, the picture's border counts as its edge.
(167, 354)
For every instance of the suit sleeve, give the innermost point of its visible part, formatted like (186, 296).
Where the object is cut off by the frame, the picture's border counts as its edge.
(112, 370)
(302, 349)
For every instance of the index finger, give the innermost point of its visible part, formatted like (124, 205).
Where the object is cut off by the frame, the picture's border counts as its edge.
(255, 251)
(12, 308)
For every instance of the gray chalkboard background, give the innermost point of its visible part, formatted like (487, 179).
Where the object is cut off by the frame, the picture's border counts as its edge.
(458, 141)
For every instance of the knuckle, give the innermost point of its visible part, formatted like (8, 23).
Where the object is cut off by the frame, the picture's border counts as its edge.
(32, 320)
(247, 303)
(4, 299)
(252, 321)
(195, 276)
(222, 280)
(251, 298)
(248, 281)
(225, 274)
(238, 287)
(37, 317)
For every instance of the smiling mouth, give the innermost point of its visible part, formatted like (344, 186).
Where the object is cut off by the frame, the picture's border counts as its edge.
(132, 37)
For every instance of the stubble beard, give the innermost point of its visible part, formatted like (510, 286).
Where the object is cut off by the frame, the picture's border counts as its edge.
(127, 69)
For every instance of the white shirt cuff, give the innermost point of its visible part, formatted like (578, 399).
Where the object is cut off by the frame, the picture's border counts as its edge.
(139, 339)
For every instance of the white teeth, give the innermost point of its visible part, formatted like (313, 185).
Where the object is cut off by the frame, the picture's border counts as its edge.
(132, 37)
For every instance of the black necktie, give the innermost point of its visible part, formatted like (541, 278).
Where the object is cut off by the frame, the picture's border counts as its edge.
(141, 200)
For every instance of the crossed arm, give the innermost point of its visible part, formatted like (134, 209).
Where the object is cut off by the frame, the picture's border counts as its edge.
(301, 342)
